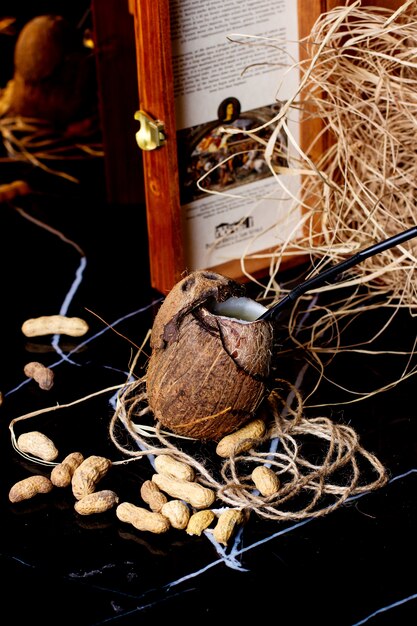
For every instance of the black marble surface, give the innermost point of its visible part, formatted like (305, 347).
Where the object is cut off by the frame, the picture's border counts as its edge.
(353, 566)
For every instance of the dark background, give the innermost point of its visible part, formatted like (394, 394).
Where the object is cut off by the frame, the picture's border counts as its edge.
(352, 566)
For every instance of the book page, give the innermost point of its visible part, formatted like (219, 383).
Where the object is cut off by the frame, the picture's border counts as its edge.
(235, 64)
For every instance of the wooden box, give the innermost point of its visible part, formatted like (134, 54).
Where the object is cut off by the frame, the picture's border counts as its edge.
(201, 67)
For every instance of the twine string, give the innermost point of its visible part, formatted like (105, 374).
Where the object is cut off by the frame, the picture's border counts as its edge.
(311, 485)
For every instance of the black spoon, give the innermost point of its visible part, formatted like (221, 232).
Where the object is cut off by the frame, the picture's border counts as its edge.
(318, 280)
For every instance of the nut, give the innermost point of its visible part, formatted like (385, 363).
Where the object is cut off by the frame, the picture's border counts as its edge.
(62, 473)
(141, 518)
(177, 512)
(97, 502)
(226, 525)
(167, 465)
(195, 494)
(152, 495)
(9, 191)
(44, 376)
(199, 521)
(37, 444)
(29, 487)
(242, 439)
(207, 374)
(88, 474)
(54, 325)
(266, 481)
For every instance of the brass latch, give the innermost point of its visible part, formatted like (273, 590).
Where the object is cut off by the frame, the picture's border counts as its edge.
(151, 132)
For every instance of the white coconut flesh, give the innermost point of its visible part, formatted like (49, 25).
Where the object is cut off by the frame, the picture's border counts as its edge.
(241, 309)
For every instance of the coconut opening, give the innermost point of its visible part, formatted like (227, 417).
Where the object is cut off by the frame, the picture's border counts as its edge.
(242, 309)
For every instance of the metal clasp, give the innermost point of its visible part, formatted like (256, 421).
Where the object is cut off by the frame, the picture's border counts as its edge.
(151, 132)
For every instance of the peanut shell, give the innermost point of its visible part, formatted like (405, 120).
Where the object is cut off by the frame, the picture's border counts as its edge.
(62, 473)
(195, 494)
(142, 519)
(88, 474)
(200, 521)
(96, 502)
(177, 512)
(29, 487)
(37, 444)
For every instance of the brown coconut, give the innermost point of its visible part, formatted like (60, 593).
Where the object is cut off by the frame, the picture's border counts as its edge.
(54, 76)
(207, 374)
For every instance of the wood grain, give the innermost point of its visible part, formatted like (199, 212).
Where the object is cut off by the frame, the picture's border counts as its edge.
(155, 82)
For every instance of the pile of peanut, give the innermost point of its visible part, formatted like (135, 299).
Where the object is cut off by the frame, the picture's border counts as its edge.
(172, 498)
(50, 325)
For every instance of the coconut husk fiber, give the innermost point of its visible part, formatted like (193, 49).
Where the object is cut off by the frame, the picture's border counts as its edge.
(207, 374)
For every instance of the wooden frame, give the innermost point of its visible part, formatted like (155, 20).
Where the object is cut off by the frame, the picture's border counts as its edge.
(161, 171)
(155, 82)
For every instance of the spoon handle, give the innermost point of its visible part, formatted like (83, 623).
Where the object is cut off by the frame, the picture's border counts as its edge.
(318, 280)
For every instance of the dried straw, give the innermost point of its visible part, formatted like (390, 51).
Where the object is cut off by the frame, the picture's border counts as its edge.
(37, 142)
(363, 87)
(360, 81)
